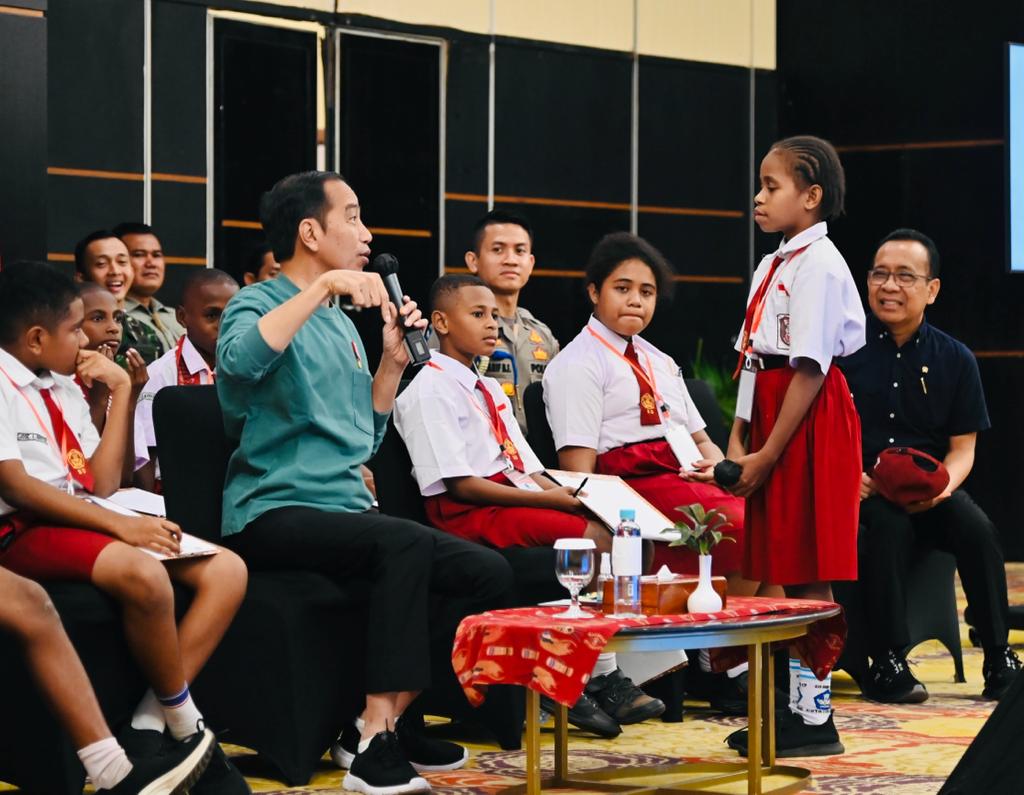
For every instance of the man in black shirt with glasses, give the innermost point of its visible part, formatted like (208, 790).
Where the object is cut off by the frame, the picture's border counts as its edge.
(916, 386)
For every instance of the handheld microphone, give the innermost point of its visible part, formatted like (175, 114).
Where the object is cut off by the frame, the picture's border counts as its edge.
(727, 473)
(387, 266)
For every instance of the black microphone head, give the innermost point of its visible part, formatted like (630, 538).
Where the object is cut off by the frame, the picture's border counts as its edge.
(385, 264)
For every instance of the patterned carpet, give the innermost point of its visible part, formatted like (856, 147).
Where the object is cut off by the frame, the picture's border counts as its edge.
(908, 750)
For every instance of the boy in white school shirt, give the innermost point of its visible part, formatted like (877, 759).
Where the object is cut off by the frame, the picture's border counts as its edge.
(50, 453)
(483, 483)
(193, 359)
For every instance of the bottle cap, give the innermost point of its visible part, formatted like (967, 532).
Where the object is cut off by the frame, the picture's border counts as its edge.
(606, 565)
(627, 514)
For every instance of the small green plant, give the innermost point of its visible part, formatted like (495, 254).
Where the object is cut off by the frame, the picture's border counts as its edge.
(721, 381)
(700, 531)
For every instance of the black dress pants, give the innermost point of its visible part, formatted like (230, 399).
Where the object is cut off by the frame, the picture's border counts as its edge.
(401, 564)
(885, 545)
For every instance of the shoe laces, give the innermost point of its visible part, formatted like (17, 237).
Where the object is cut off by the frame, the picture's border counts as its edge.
(1006, 659)
(620, 690)
(388, 750)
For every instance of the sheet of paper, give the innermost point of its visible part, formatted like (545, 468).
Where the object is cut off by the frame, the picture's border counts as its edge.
(191, 546)
(685, 449)
(606, 495)
(140, 501)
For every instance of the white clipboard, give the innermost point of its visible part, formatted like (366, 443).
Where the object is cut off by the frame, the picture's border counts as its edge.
(189, 546)
(606, 495)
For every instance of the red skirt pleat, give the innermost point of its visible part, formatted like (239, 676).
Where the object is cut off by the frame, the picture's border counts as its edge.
(802, 523)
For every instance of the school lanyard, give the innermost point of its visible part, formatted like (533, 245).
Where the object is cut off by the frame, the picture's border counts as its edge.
(495, 423)
(60, 449)
(755, 309)
(186, 377)
(650, 380)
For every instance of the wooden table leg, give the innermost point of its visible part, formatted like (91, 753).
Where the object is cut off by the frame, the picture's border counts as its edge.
(561, 744)
(768, 706)
(532, 742)
(755, 701)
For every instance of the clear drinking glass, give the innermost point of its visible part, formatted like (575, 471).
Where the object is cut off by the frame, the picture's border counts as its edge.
(574, 567)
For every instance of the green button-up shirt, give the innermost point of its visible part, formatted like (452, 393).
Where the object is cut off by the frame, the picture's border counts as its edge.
(303, 418)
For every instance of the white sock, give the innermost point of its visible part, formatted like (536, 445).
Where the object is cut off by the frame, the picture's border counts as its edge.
(105, 763)
(360, 724)
(809, 698)
(704, 659)
(736, 670)
(181, 714)
(363, 745)
(149, 715)
(606, 664)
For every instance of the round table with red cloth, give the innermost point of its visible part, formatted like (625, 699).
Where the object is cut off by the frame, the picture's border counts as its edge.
(530, 646)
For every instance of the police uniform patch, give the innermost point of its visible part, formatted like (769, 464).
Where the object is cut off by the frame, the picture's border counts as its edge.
(535, 338)
(783, 331)
(540, 354)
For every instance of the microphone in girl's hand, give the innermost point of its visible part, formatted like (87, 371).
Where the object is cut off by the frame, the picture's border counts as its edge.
(727, 473)
(387, 266)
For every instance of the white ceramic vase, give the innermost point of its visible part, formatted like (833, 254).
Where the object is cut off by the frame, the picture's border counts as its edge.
(705, 598)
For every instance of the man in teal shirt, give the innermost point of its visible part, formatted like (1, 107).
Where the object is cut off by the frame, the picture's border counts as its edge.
(296, 393)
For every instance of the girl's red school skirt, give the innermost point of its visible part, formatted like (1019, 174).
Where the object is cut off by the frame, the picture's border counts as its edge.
(653, 470)
(802, 523)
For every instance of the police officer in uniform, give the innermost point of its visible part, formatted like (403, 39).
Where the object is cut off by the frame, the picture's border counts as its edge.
(502, 256)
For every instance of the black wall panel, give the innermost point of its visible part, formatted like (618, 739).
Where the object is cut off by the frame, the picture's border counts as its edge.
(76, 206)
(95, 84)
(562, 122)
(179, 218)
(907, 73)
(23, 122)
(466, 154)
(179, 92)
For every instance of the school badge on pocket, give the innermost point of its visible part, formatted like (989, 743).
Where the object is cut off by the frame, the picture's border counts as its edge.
(783, 331)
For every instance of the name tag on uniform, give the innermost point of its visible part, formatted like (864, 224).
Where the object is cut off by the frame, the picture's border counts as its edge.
(745, 396)
(683, 446)
(521, 480)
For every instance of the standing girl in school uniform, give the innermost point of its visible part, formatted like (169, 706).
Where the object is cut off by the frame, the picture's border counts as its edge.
(797, 434)
(613, 399)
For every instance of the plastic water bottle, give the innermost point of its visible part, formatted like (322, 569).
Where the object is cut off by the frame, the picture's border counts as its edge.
(627, 562)
(604, 574)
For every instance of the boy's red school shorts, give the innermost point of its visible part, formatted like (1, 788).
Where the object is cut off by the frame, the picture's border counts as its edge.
(44, 552)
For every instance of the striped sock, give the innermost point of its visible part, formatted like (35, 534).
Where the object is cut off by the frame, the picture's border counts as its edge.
(809, 698)
(181, 713)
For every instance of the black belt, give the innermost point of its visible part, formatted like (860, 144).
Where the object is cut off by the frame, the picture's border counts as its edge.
(770, 362)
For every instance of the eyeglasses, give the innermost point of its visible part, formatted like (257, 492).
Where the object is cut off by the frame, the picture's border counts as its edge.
(879, 276)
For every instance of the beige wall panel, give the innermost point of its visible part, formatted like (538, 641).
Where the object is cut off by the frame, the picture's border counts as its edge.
(473, 16)
(315, 5)
(607, 24)
(717, 31)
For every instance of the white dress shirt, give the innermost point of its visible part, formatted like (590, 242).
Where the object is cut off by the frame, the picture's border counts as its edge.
(445, 424)
(593, 399)
(23, 438)
(812, 309)
(164, 372)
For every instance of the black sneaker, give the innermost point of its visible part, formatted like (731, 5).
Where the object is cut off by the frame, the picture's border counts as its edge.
(172, 770)
(999, 669)
(729, 694)
(143, 742)
(622, 700)
(793, 737)
(382, 769)
(427, 754)
(587, 715)
(221, 777)
(890, 681)
(345, 748)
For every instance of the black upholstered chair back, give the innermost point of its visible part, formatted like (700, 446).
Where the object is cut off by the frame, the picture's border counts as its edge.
(703, 397)
(397, 492)
(539, 433)
(193, 453)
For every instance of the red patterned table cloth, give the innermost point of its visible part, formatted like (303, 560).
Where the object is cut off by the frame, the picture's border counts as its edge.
(529, 646)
